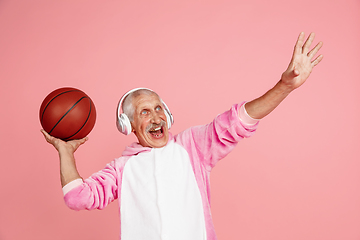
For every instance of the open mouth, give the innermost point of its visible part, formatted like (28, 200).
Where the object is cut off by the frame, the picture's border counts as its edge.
(156, 132)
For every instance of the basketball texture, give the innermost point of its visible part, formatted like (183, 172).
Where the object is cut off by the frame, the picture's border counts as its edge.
(67, 113)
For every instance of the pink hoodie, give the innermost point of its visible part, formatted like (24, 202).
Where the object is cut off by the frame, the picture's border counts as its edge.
(205, 145)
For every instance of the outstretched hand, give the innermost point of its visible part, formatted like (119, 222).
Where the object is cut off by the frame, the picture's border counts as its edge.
(59, 144)
(301, 65)
(302, 62)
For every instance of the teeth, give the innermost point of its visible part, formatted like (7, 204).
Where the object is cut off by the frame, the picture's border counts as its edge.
(155, 129)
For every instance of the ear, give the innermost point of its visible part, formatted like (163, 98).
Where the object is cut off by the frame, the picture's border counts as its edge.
(132, 127)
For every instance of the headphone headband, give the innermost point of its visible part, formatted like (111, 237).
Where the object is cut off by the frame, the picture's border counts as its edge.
(122, 120)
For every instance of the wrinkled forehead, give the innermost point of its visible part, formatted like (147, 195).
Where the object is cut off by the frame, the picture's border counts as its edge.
(146, 100)
(143, 92)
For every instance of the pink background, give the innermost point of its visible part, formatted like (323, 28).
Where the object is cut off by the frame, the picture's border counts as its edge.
(297, 178)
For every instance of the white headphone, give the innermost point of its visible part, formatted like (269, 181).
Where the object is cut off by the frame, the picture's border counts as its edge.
(122, 121)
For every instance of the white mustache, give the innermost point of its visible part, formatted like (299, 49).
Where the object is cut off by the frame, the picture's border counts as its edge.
(154, 125)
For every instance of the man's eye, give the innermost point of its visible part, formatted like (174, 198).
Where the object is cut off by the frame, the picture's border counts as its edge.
(158, 108)
(143, 112)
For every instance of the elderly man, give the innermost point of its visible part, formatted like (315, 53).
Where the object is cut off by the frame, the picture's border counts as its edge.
(162, 182)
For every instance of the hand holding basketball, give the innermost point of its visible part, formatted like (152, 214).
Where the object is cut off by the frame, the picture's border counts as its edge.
(60, 145)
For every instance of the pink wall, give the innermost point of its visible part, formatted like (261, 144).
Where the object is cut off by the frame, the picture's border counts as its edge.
(297, 178)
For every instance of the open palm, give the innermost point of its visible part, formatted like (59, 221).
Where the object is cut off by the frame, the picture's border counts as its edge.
(302, 62)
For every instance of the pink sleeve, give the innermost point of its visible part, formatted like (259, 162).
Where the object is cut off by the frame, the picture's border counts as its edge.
(212, 142)
(71, 185)
(245, 118)
(96, 192)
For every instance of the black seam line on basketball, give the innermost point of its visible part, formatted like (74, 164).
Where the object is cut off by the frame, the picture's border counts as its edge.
(66, 113)
(42, 115)
(84, 122)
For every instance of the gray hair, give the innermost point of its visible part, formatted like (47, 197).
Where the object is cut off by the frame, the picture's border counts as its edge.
(127, 106)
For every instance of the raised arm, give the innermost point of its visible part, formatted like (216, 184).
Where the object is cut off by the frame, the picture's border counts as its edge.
(68, 170)
(301, 65)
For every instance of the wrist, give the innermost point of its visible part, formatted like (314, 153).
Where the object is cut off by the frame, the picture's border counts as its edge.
(64, 148)
(66, 157)
(284, 87)
(65, 151)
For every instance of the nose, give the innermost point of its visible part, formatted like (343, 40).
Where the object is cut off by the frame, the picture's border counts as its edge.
(156, 118)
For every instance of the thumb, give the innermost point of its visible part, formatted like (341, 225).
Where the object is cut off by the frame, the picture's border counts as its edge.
(83, 140)
(296, 72)
(76, 143)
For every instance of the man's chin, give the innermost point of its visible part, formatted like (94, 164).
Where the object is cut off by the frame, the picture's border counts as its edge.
(158, 141)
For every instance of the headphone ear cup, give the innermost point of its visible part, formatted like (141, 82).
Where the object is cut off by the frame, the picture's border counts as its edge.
(169, 119)
(169, 116)
(123, 124)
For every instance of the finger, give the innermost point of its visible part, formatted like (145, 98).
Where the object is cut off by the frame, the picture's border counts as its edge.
(317, 60)
(313, 51)
(308, 43)
(83, 140)
(50, 139)
(46, 135)
(299, 43)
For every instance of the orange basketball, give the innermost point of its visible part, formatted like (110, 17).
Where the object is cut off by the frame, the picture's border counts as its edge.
(67, 113)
